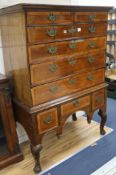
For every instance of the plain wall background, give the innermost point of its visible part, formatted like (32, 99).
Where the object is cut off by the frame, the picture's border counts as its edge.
(94, 2)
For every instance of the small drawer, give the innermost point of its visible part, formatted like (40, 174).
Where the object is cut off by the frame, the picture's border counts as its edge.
(47, 120)
(74, 105)
(45, 18)
(98, 99)
(90, 16)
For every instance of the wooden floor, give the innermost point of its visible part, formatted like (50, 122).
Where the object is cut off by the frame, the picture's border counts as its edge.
(76, 136)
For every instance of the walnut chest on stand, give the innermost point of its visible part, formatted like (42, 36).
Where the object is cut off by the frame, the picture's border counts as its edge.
(55, 56)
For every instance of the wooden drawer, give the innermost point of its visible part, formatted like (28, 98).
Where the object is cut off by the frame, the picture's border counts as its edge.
(51, 51)
(47, 120)
(98, 99)
(51, 33)
(54, 90)
(90, 16)
(49, 71)
(71, 107)
(45, 18)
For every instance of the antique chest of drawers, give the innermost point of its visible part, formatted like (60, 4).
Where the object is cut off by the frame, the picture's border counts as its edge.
(55, 56)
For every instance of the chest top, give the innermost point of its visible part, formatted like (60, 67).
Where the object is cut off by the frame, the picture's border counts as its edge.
(43, 7)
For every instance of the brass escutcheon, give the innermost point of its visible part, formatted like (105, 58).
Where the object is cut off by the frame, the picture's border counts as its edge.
(91, 59)
(52, 17)
(53, 67)
(90, 77)
(72, 81)
(72, 30)
(72, 62)
(92, 29)
(52, 32)
(92, 44)
(53, 89)
(92, 17)
(48, 119)
(52, 49)
(76, 102)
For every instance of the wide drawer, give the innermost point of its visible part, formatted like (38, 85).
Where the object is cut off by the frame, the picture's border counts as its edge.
(98, 99)
(54, 90)
(51, 33)
(49, 71)
(44, 52)
(90, 16)
(76, 104)
(47, 120)
(45, 18)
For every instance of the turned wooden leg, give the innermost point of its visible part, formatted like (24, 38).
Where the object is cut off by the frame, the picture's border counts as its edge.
(36, 154)
(88, 119)
(103, 116)
(74, 117)
(58, 132)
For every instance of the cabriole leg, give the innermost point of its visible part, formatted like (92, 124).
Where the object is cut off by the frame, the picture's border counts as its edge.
(103, 116)
(36, 154)
(74, 117)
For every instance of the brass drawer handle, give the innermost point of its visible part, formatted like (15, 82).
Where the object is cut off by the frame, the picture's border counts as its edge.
(48, 120)
(91, 59)
(52, 49)
(53, 89)
(92, 44)
(90, 77)
(76, 102)
(52, 17)
(72, 62)
(72, 45)
(92, 29)
(98, 100)
(52, 32)
(72, 30)
(92, 17)
(53, 67)
(72, 81)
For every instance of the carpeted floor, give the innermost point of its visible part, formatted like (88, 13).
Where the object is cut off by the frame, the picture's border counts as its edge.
(93, 157)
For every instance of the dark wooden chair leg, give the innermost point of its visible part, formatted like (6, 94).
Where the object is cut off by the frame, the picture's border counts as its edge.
(36, 154)
(74, 117)
(103, 116)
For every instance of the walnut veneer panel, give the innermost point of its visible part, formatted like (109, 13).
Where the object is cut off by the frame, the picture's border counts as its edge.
(54, 90)
(46, 18)
(52, 33)
(42, 52)
(90, 16)
(98, 99)
(35, 18)
(70, 107)
(47, 120)
(67, 66)
(15, 55)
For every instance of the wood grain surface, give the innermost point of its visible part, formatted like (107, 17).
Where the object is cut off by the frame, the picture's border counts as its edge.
(76, 136)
